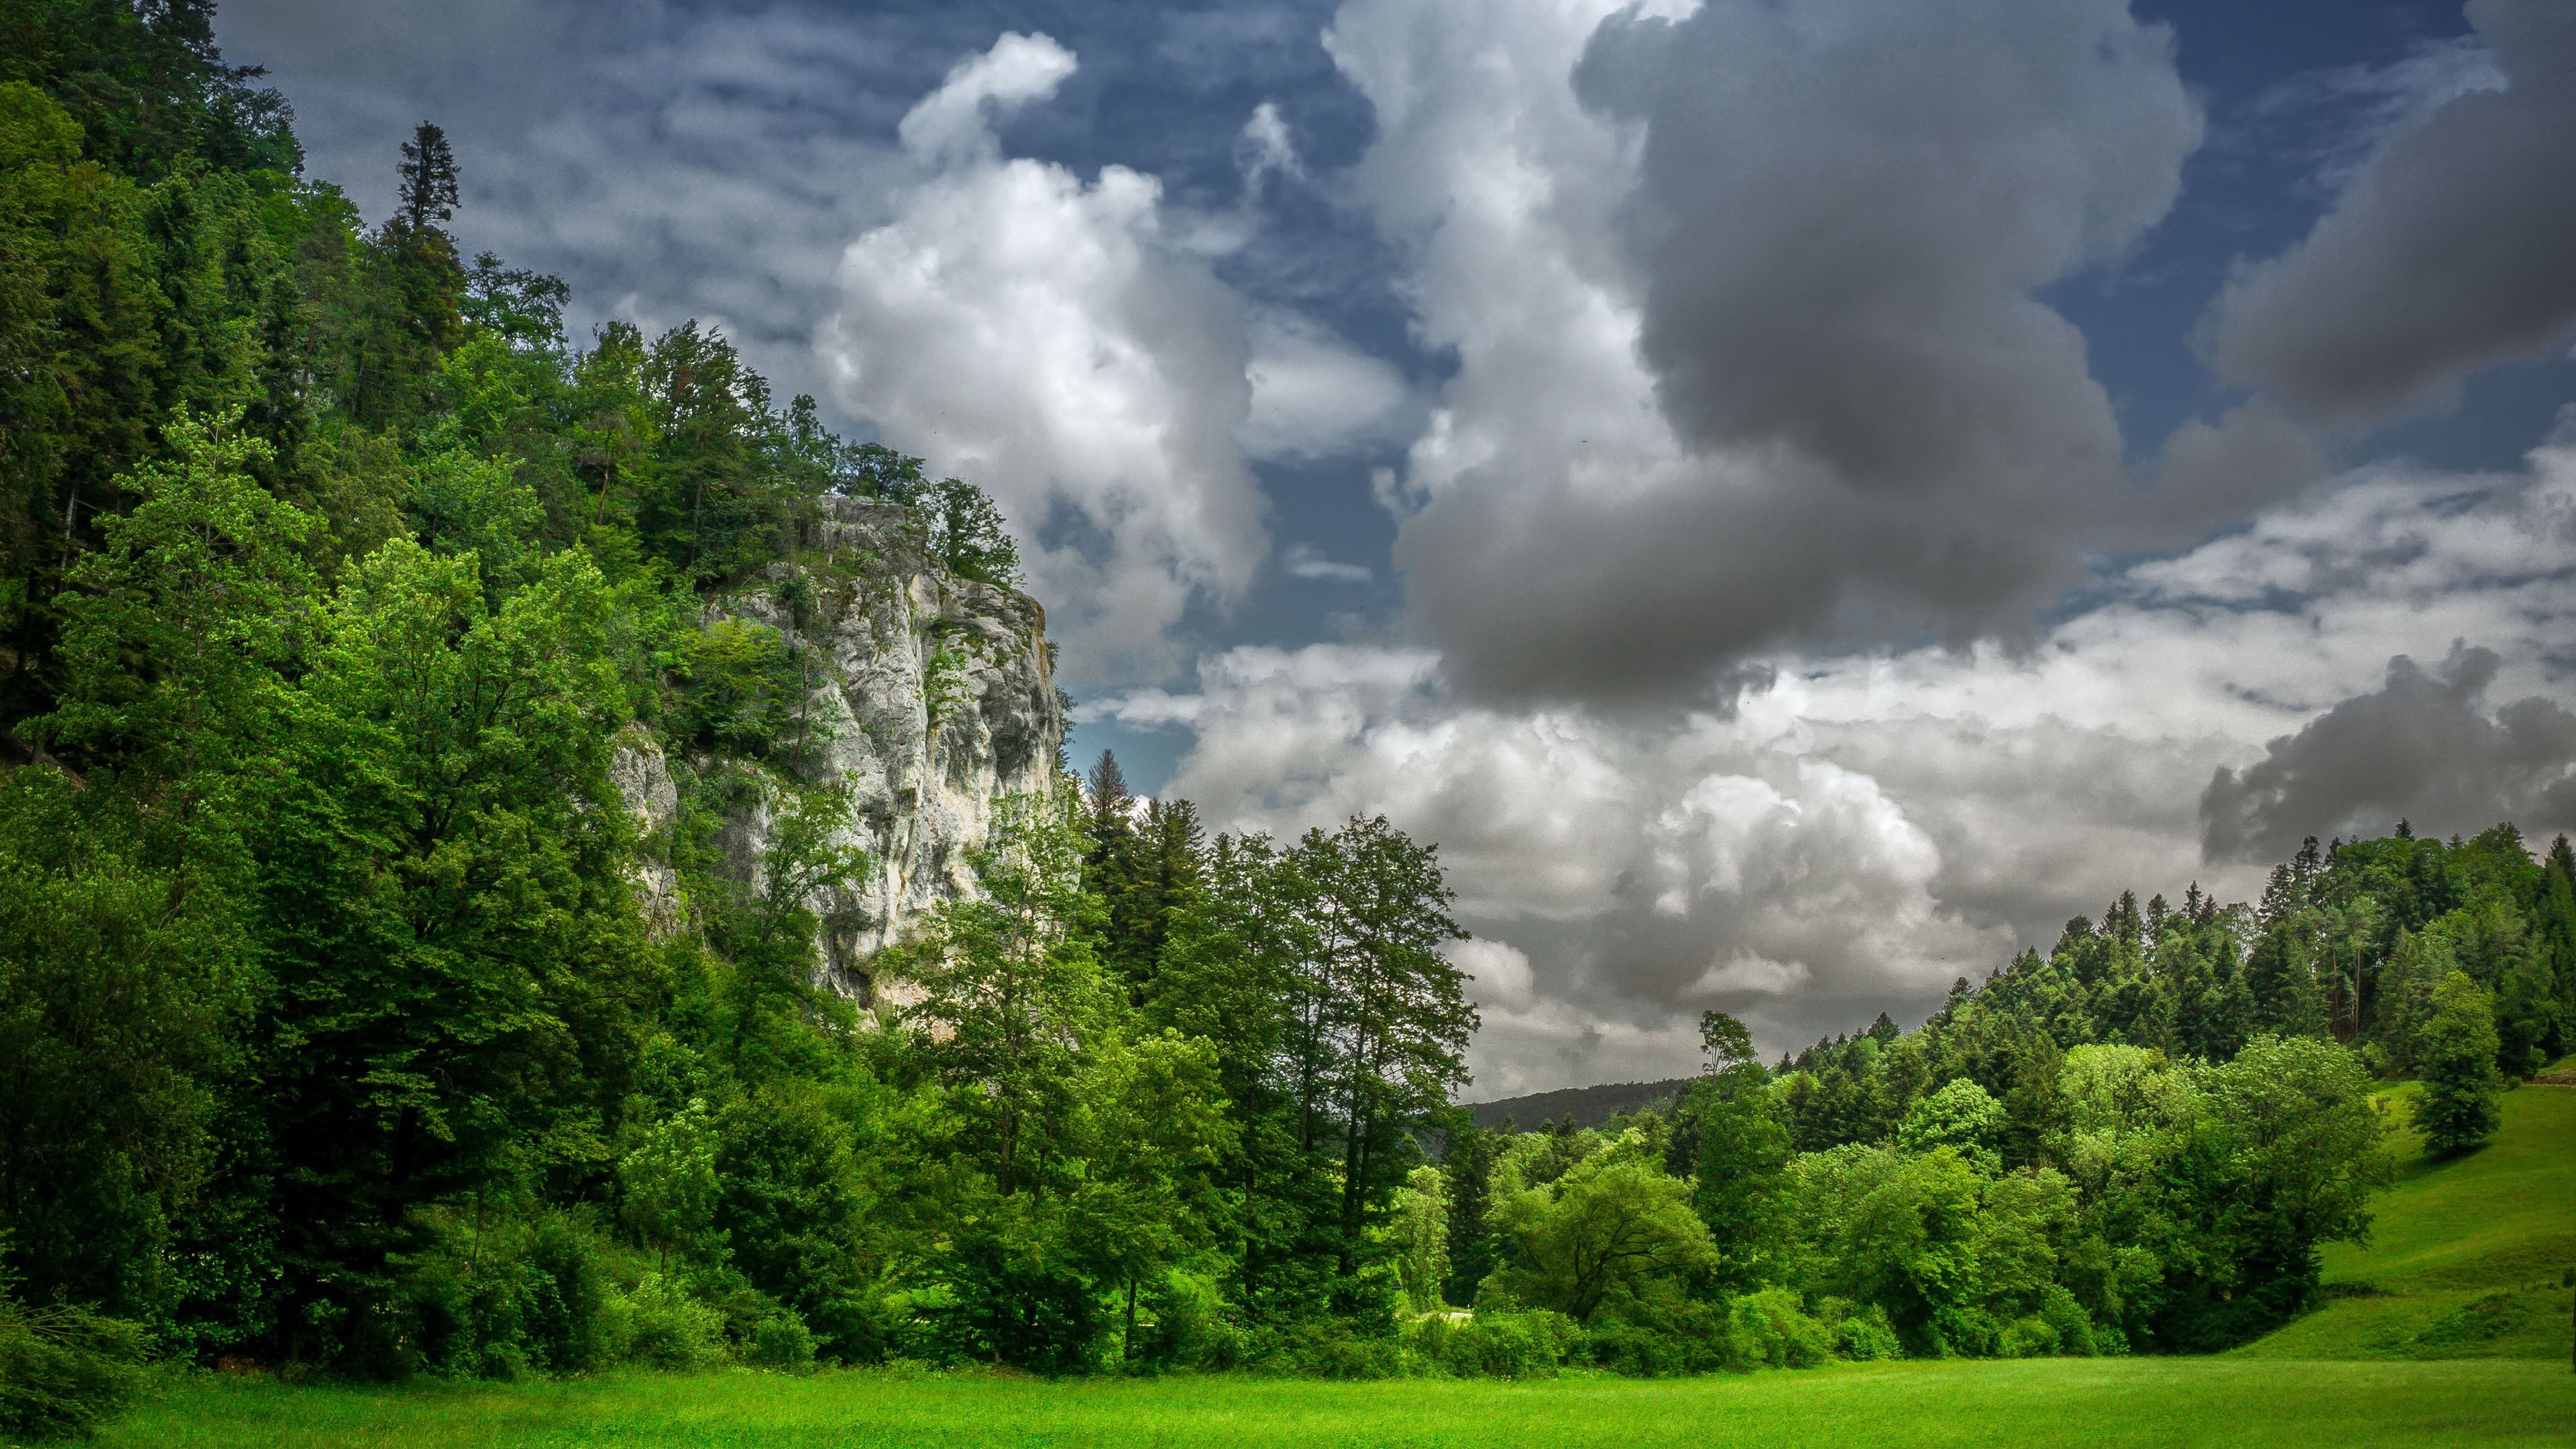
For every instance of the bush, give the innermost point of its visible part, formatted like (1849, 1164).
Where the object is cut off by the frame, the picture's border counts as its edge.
(744, 690)
(497, 1302)
(2074, 1327)
(660, 1324)
(1644, 1351)
(1770, 1328)
(781, 1341)
(64, 1371)
(1184, 1325)
(1658, 1330)
(1329, 1348)
(1867, 1336)
(2027, 1338)
(1498, 1343)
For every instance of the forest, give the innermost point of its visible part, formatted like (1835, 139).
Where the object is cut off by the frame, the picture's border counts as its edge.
(333, 1039)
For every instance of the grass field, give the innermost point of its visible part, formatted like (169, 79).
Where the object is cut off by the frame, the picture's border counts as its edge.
(2029, 1404)
(2463, 1267)
(2465, 1256)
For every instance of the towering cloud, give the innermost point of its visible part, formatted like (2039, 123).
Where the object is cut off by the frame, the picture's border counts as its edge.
(2449, 252)
(1744, 304)
(1043, 336)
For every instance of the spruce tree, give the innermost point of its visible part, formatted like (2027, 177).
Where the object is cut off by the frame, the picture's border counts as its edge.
(428, 173)
(413, 291)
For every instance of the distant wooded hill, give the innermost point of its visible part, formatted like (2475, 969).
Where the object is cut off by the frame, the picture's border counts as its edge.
(1590, 1106)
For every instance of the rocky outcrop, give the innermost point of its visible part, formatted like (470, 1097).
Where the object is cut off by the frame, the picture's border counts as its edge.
(642, 775)
(930, 700)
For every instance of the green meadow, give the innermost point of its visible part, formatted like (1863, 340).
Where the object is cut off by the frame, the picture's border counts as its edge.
(2465, 1257)
(2033, 1402)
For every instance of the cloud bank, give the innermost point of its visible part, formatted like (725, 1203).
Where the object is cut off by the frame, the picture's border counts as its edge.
(1861, 828)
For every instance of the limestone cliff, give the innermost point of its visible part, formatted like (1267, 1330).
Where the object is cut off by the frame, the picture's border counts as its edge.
(929, 699)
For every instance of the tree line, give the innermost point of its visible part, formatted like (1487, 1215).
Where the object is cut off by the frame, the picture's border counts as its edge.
(2135, 1143)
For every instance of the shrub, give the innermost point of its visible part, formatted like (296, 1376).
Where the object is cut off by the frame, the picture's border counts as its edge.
(2027, 1338)
(1642, 1351)
(744, 691)
(660, 1324)
(63, 1371)
(1658, 1330)
(1329, 1348)
(1867, 1336)
(1184, 1325)
(1499, 1343)
(498, 1301)
(780, 1341)
(2074, 1327)
(1771, 1328)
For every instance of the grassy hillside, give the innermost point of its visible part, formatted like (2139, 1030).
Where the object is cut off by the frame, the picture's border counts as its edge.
(2030, 1403)
(2465, 1258)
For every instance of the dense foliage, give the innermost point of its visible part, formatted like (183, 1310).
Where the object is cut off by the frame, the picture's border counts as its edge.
(2137, 1142)
(332, 1034)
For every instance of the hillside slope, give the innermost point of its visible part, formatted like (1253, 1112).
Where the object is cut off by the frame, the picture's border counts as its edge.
(1588, 1106)
(2465, 1256)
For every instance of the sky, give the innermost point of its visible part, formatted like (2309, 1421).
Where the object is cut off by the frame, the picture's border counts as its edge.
(1797, 498)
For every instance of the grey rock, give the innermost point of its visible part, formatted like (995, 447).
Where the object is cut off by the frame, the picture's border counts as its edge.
(931, 699)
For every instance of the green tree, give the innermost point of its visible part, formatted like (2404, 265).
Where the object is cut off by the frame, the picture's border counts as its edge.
(1015, 1010)
(1010, 990)
(1961, 1116)
(1235, 973)
(967, 536)
(124, 988)
(1740, 1177)
(428, 172)
(455, 954)
(1614, 1221)
(1385, 1016)
(1418, 1226)
(1152, 1131)
(2276, 1154)
(176, 628)
(2458, 1108)
(1899, 1231)
(669, 1182)
(411, 290)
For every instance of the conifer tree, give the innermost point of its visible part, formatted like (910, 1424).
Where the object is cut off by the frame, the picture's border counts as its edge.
(428, 174)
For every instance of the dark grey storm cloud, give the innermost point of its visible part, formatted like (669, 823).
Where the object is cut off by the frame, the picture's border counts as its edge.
(2422, 747)
(2454, 249)
(1842, 215)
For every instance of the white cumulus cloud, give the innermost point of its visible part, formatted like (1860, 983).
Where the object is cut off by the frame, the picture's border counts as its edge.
(1038, 334)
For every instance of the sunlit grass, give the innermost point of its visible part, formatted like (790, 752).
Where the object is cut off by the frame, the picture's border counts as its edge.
(2100, 1404)
(2465, 1255)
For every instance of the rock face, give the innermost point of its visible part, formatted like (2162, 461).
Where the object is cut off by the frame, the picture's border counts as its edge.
(930, 700)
